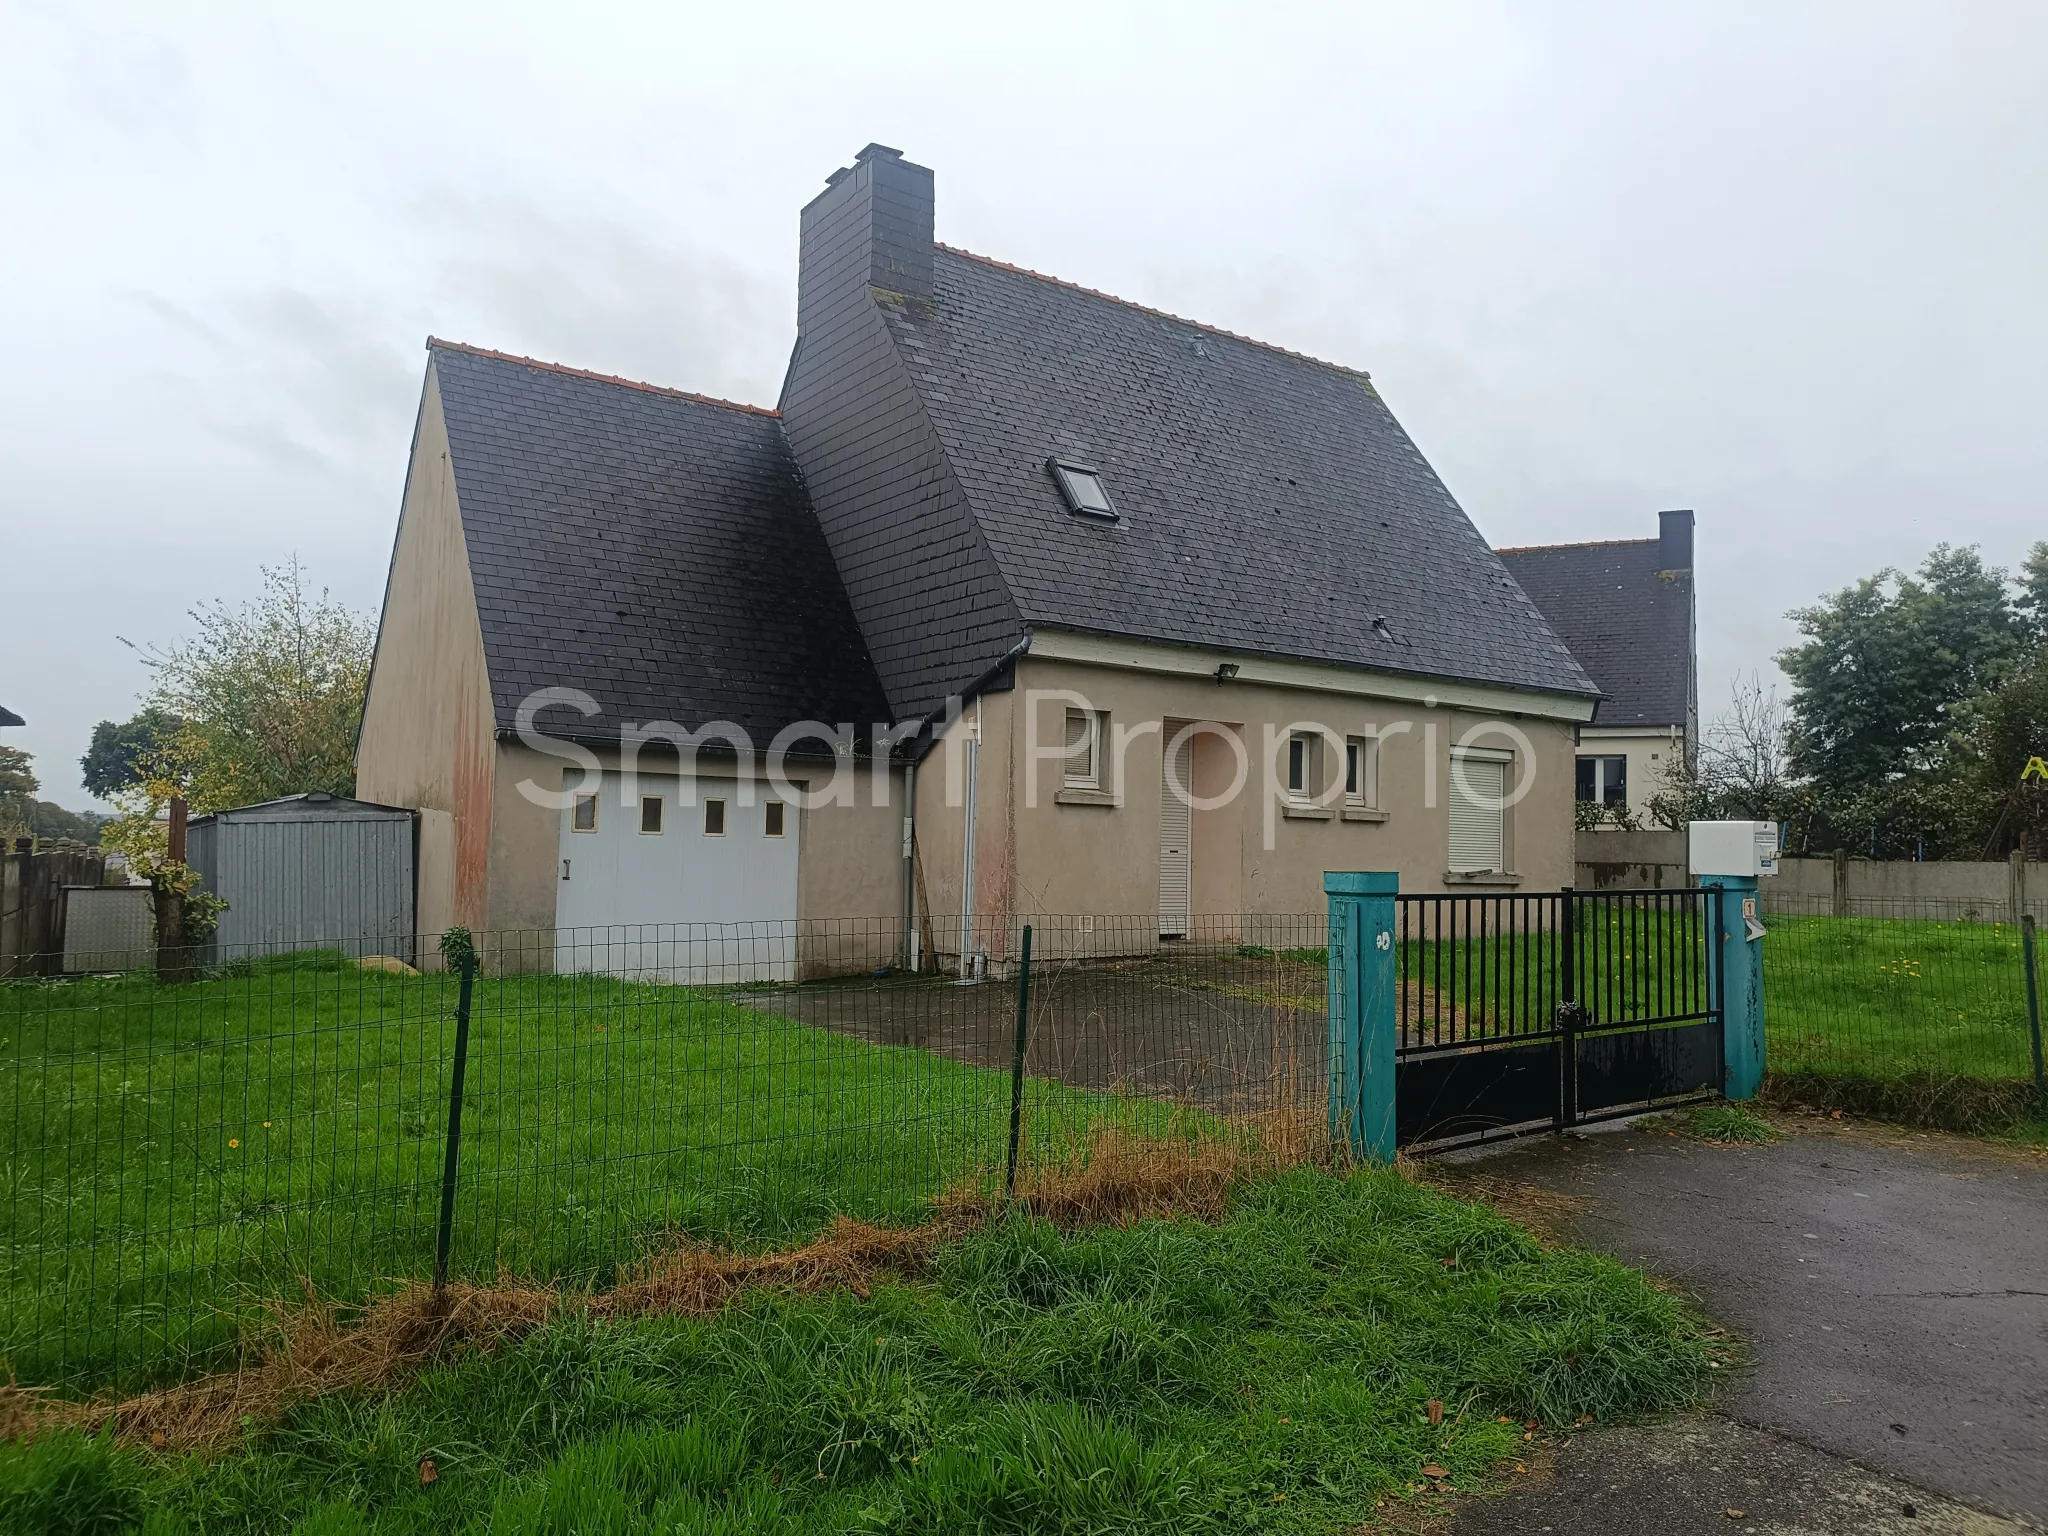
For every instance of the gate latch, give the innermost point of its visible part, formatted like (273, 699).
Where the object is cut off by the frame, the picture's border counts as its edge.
(1573, 1014)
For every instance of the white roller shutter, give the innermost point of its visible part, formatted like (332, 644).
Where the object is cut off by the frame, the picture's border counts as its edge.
(1176, 838)
(1478, 823)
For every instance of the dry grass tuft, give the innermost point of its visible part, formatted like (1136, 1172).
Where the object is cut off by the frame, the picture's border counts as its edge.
(311, 1351)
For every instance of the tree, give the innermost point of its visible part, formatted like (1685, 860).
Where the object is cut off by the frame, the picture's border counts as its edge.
(1887, 665)
(1738, 770)
(2033, 602)
(267, 696)
(18, 786)
(2002, 761)
(119, 755)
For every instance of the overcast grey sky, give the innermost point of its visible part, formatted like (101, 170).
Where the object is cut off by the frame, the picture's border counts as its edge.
(1785, 264)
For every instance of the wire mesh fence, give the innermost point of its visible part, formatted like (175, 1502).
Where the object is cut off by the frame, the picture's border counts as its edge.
(1915, 1010)
(181, 1159)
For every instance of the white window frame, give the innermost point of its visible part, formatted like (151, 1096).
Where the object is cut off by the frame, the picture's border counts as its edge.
(660, 815)
(1306, 747)
(1362, 773)
(575, 809)
(724, 821)
(1084, 770)
(775, 818)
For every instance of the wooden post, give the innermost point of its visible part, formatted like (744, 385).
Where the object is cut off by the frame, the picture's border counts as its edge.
(1841, 901)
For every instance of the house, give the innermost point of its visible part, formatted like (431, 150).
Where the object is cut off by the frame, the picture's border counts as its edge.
(1023, 601)
(1626, 608)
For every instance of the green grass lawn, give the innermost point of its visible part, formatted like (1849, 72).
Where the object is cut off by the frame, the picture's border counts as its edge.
(1892, 997)
(179, 1158)
(1269, 1373)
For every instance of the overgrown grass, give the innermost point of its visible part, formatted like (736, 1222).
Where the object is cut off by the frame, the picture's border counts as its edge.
(179, 1158)
(1272, 1372)
(1920, 1021)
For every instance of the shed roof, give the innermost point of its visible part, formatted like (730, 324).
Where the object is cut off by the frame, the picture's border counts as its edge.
(314, 805)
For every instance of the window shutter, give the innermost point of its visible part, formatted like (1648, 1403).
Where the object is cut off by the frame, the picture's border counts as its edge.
(1478, 825)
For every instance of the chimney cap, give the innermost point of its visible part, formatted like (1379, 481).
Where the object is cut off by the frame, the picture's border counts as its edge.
(877, 152)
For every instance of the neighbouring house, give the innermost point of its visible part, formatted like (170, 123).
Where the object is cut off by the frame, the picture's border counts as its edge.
(1626, 608)
(1059, 605)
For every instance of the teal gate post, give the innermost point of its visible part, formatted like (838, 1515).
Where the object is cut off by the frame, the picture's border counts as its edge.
(1362, 1025)
(1739, 936)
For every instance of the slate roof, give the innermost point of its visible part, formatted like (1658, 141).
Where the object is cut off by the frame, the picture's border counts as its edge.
(1629, 622)
(1271, 504)
(9, 717)
(652, 548)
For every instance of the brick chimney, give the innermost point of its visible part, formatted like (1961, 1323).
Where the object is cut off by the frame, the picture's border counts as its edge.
(870, 228)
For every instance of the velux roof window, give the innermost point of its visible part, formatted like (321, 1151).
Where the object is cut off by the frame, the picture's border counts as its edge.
(1082, 486)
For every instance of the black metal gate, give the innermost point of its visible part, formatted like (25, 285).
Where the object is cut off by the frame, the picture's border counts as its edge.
(1531, 1013)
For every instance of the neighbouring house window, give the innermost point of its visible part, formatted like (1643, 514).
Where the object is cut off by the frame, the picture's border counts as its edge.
(714, 818)
(1603, 780)
(650, 813)
(1082, 486)
(1479, 817)
(1362, 772)
(773, 823)
(583, 818)
(1084, 749)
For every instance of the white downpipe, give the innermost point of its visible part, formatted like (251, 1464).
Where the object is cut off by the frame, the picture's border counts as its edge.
(970, 956)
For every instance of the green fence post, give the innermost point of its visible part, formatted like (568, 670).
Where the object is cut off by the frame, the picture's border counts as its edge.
(2034, 1013)
(1362, 985)
(1739, 937)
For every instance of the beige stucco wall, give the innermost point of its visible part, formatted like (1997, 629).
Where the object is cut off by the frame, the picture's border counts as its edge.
(1038, 857)
(1650, 754)
(426, 739)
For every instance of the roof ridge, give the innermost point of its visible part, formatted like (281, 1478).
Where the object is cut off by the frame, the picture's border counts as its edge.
(1534, 549)
(437, 343)
(1147, 309)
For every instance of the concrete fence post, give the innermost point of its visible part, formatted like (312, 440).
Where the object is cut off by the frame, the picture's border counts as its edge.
(1362, 989)
(1738, 935)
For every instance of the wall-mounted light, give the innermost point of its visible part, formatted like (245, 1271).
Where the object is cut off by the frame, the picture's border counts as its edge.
(1226, 672)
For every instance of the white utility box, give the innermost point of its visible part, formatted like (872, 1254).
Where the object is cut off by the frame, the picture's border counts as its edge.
(1733, 847)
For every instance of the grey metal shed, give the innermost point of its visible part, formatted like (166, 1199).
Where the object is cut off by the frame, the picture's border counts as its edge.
(309, 871)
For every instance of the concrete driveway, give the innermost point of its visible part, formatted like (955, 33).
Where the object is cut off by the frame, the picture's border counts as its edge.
(1892, 1288)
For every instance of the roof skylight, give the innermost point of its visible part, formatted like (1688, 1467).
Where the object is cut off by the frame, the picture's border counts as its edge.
(1082, 485)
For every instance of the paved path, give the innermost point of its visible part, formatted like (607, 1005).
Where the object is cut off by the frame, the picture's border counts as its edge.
(1892, 1287)
(1704, 1475)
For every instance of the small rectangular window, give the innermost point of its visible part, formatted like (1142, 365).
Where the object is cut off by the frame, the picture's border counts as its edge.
(775, 810)
(1362, 772)
(1082, 486)
(714, 818)
(583, 818)
(1084, 749)
(1603, 780)
(650, 814)
(1299, 764)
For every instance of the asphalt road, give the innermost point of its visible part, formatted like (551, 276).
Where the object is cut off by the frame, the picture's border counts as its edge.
(1892, 1289)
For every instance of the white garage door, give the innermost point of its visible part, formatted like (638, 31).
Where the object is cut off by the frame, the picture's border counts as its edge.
(683, 882)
